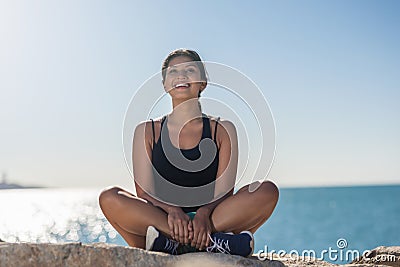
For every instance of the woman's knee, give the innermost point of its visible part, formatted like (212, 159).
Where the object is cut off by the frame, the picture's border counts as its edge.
(109, 196)
(267, 192)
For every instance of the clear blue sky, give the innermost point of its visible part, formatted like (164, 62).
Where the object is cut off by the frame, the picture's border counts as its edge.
(329, 69)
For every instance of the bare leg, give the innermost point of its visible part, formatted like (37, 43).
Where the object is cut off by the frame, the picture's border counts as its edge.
(244, 210)
(131, 215)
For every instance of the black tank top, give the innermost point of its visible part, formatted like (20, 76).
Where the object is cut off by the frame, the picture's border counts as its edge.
(163, 168)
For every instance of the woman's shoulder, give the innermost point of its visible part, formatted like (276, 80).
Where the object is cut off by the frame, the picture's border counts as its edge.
(147, 131)
(146, 126)
(220, 120)
(224, 128)
(149, 122)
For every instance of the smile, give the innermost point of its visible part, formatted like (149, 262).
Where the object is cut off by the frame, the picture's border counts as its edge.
(182, 85)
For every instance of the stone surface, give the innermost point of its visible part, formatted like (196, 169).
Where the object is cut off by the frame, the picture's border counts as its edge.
(101, 254)
(388, 256)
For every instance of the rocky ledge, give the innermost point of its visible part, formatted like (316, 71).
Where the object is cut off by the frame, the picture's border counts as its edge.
(100, 254)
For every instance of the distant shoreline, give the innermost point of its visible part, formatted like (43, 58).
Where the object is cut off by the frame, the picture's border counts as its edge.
(4, 186)
(337, 186)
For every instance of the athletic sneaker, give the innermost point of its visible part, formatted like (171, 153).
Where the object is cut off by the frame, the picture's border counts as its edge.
(241, 244)
(156, 241)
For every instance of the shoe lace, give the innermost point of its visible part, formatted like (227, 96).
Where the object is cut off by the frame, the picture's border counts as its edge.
(171, 246)
(219, 245)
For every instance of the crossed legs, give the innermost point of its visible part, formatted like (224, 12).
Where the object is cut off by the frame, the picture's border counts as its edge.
(131, 215)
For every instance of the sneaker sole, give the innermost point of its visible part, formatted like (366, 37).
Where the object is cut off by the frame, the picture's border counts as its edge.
(151, 235)
(251, 242)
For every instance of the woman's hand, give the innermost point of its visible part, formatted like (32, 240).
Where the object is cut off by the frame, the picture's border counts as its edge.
(178, 222)
(201, 230)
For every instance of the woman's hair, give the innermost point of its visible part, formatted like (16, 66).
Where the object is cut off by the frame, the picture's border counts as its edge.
(187, 53)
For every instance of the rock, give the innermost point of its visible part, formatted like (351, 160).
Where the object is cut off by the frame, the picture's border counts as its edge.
(378, 257)
(387, 256)
(101, 254)
(297, 261)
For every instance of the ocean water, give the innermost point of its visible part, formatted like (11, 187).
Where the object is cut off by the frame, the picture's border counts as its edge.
(336, 218)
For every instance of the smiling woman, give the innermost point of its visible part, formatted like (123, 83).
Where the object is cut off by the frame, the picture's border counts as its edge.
(183, 75)
(184, 167)
(183, 66)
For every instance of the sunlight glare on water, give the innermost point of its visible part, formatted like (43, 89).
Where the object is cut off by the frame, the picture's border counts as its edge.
(53, 215)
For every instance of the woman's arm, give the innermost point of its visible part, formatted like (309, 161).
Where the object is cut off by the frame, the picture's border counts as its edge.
(142, 166)
(227, 167)
(224, 184)
(178, 222)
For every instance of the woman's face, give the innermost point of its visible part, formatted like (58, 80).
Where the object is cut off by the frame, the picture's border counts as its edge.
(183, 78)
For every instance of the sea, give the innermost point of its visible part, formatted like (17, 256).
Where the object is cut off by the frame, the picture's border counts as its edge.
(328, 223)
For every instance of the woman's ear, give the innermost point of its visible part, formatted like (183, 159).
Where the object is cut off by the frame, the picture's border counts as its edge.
(203, 86)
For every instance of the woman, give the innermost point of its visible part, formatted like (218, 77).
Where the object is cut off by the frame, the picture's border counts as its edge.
(154, 219)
